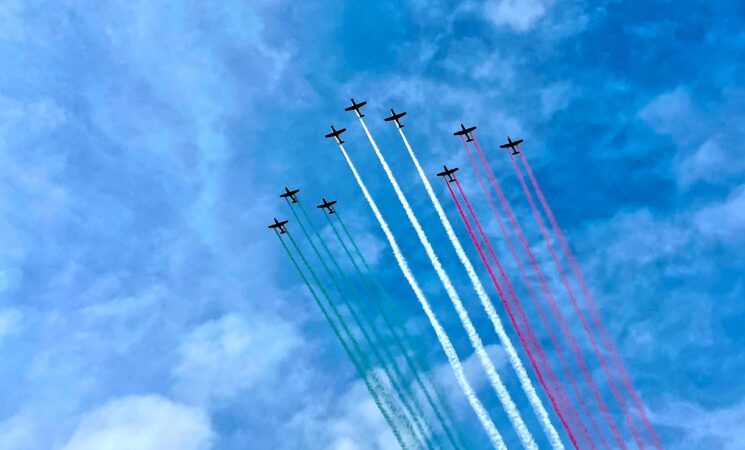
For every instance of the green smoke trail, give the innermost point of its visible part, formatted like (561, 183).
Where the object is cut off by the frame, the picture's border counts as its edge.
(415, 366)
(360, 369)
(418, 412)
(358, 322)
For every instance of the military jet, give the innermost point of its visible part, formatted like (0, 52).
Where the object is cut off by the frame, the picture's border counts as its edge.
(329, 205)
(336, 134)
(395, 117)
(448, 173)
(290, 194)
(465, 132)
(356, 108)
(512, 145)
(279, 225)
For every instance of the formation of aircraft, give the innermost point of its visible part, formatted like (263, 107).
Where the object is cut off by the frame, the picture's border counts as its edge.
(448, 173)
(280, 225)
(395, 117)
(336, 134)
(465, 132)
(512, 145)
(328, 205)
(356, 108)
(290, 194)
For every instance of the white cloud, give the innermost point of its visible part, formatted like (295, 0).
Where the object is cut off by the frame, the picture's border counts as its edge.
(10, 322)
(360, 425)
(520, 15)
(712, 162)
(669, 112)
(725, 220)
(226, 356)
(18, 433)
(708, 148)
(697, 427)
(555, 98)
(142, 423)
(704, 164)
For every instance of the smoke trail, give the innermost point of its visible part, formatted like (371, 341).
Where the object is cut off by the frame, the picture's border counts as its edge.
(398, 383)
(553, 305)
(447, 346)
(421, 366)
(527, 385)
(531, 336)
(509, 406)
(539, 309)
(575, 304)
(534, 297)
(440, 398)
(359, 323)
(374, 390)
(592, 306)
(398, 341)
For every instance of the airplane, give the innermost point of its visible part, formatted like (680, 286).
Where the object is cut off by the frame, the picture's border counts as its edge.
(394, 117)
(279, 225)
(336, 134)
(327, 204)
(356, 108)
(512, 145)
(290, 194)
(465, 132)
(448, 173)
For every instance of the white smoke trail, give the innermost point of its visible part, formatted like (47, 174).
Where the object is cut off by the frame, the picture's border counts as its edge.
(527, 385)
(447, 346)
(504, 397)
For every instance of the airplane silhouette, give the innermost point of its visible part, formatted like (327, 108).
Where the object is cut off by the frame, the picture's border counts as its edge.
(448, 173)
(465, 132)
(327, 205)
(395, 117)
(290, 194)
(279, 225)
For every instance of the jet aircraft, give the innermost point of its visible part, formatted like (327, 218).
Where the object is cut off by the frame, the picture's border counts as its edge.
(395, 117)
(290, 194)
(356, 108)
(448, 173)
(280, 225)
(512, 145)
(465, 132)
(329, 205)
(336, 134)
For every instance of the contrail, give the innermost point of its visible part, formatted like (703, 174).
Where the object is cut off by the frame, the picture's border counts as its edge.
(421, 366)
(531, 292)
(417, 372)
(509, 406)
(553, 305)
(527, 385)
(398, 383)
(590, 302)
(374, 390)
(447, 346)
(555, 386)
(593, 343)
(420, 433)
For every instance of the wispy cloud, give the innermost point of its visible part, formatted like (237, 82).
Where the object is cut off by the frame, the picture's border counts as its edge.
(142, 423)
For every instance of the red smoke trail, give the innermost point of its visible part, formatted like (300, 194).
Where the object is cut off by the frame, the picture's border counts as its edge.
(553, 305)
(590, 302)
(575, 304)
(490, 248)
(534, 297)
(512, 319)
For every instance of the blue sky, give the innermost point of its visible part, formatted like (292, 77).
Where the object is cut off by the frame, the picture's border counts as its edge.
(143, 143)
